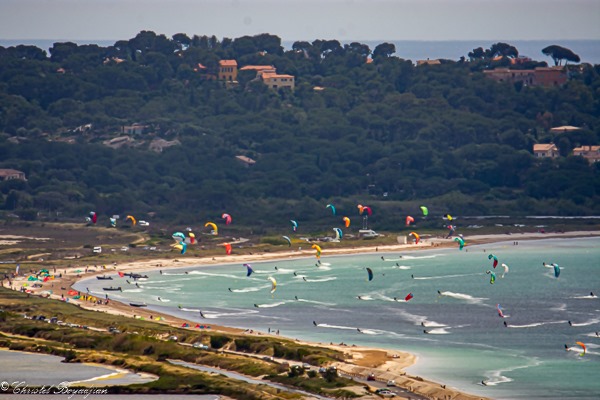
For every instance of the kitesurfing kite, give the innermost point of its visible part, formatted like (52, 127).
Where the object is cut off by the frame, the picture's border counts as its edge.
(273, 284)
(424, 210)
(215, 230)
(227, 218)
(227, 248)
(192, 237)
(318, 249)
(416, 236)
(583, 347)
(182, 246)
(492, 276)
(249, 269)
(338, 233)
(491, 256)
(461, 242)
(132, 218)
(369, 274)
(178, 237)
(556, 270)
(346, 221)
(499, 309)
(505, 270)
(409, 219)
(332, 208)
(294, 225)
(92, 218)
(288, 240)
(408, 297)
(362, 209)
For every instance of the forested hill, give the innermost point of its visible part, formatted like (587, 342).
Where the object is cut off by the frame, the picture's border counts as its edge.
(386, 133)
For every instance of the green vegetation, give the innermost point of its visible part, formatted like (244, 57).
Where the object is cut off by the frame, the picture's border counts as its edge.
(388, 133)
(142, 347)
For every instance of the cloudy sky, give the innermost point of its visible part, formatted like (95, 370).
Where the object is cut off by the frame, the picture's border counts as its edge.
(303, 19)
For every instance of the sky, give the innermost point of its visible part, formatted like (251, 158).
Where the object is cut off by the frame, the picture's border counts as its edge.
(292, 20)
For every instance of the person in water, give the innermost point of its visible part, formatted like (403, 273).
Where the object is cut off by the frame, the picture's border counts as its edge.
(230, 290)
(570, 323)
(505, 324)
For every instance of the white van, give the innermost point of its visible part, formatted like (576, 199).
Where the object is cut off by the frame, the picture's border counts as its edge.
(97, 249)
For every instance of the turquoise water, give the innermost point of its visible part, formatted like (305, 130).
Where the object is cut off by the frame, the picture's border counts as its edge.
(467, 342)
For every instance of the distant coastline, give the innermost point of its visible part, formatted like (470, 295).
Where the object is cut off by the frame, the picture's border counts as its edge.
(587, 49)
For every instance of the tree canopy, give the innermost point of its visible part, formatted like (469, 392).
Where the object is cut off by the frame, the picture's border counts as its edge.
(387, 132)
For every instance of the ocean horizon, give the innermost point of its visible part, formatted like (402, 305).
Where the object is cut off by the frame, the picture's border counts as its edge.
(587, 49)
(452, 323)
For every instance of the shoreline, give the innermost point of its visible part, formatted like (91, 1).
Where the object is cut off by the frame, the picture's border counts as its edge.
(384, 363)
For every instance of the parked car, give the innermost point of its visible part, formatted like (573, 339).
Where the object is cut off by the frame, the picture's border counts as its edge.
(371, 377)
(391, 383)
(385, 393)
(201, 346)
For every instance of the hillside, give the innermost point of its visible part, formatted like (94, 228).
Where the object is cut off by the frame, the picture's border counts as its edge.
(145, 128)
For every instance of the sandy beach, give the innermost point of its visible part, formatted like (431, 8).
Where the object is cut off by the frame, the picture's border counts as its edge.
(361, 361)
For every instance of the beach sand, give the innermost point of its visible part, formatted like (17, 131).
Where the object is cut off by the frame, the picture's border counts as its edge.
(361, 361)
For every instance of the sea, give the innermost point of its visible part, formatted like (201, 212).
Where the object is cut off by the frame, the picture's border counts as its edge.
(587, 50)
(452, 322)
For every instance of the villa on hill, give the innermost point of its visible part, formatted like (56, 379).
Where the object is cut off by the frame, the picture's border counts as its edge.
(228, 70)
(540, 76)
(545, 150)
(590, 153)
(10, 174)
(269, 76)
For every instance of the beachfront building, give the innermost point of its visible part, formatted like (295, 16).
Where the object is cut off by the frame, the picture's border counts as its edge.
(541, 76)
(228, 70)
(545, 150)
(10, 174)
(590, 153)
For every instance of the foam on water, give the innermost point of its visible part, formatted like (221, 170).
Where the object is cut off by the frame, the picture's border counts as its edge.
(467, 343)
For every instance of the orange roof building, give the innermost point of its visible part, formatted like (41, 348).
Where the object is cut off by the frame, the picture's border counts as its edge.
(228, 70)
(590, 153)
(545, 150)
(277, 81)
